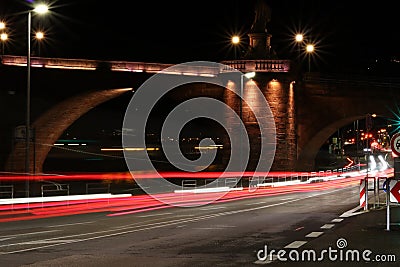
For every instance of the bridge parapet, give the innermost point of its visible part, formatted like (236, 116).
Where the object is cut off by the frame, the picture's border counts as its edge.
(263, 65)
(84, 64)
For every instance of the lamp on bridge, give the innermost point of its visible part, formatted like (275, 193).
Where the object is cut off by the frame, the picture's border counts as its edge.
(3, 36)
(309, 50)
(299, 40)
(248, 75)
(39, 9)
(39, 35)
(235, 41)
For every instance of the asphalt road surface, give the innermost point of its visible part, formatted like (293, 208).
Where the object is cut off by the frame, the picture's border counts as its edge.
(225, 233)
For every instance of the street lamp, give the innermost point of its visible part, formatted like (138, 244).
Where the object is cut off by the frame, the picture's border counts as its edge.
(235, 41)
(3, 35)
(299, 40)
(40, 9)
(309, 50)
(3, 38)
(248, 75)
(39, 36)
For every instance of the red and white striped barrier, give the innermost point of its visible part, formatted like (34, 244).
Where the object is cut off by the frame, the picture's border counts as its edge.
(363, 195)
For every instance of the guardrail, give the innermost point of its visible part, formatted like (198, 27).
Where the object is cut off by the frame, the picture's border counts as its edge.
(7, 190)
(266, 65)
(54, 188)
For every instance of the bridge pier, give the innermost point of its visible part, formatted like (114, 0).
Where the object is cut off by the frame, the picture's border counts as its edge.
(279, 92)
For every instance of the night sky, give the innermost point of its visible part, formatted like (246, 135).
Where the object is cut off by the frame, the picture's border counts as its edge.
(345, 32)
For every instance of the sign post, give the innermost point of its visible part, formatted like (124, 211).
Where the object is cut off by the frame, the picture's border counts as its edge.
(393, 186)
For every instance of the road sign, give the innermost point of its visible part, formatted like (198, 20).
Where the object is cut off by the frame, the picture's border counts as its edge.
(394, 191)
(395, 144)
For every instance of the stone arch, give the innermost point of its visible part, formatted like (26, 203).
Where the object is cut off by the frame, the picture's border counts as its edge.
(51, 124)
(309, 154)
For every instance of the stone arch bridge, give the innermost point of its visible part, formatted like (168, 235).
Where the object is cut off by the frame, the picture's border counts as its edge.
(307, 108)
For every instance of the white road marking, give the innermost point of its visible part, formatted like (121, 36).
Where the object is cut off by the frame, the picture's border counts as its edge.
(352, 212)
(33, 233)
(152, 215)
(286, 198)
(207, 228)
(337, 220)
(250, 204)
(36, 242)
(213, 208)
(68, 224)
(296, 244)
(327, 226)
(314, 234)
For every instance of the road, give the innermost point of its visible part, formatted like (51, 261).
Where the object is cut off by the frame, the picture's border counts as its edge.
(224, 233)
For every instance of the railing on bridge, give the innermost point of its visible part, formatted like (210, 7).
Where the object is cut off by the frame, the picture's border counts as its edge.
(263, 65)
(201, 70)
(84, 64)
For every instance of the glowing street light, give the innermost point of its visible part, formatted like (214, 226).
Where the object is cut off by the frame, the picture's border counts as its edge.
(3, 35)
(3, 38)
(39, 36)
(235, 41)
(248, 75)
(39, 9)
(309, 50)
(299, 40)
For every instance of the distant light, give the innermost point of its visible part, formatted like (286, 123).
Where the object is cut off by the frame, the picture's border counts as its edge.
(250, 75)
(2, 25)
(235, 39)
(373, 115)
(299, 37)
(4, 36)
(310, 48)
(41, 9)
(39, 35)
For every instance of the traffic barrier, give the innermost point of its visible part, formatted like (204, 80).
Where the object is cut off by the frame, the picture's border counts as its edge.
(363, 197)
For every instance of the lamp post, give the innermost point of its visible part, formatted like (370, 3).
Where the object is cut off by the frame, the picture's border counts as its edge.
(248, 75)
(3, 38)
(40, 9)
(39, 36)
(309, 50)
(235, 41)
(299, 40)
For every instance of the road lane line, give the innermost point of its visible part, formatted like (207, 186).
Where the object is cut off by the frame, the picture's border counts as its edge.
(327, 226)
(36, 242)
(252, 204)
(286, 198)
(352, 212)
(314, 234)
(337, 220)
(213, 208)
(295, 244)
(153, 215)
(33, 233)
(69, 224)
